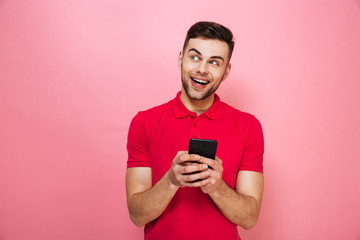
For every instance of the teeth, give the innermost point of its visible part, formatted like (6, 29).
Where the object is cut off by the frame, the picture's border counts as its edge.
(199, 81)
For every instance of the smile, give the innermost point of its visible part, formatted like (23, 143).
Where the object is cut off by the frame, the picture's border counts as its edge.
(199, 81)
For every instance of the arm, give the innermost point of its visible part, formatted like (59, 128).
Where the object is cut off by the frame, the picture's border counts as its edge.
(242, 205)
(147, 202)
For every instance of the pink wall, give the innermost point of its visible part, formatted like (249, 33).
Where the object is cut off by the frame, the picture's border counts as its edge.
(74, 73)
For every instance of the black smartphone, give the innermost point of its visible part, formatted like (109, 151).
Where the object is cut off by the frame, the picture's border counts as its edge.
(203, 147)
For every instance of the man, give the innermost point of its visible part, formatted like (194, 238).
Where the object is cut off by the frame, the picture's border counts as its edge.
(186, 196)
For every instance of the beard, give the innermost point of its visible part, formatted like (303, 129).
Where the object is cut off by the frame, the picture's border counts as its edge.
(195, 95)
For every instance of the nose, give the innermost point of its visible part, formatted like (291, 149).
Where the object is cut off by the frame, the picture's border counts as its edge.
(203, 68)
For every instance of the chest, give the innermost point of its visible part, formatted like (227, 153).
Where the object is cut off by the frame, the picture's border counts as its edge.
(172, 136)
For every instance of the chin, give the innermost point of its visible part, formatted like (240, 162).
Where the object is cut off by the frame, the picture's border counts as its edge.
(194, 95)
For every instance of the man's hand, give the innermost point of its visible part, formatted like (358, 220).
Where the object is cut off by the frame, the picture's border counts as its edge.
(188, 170)
(214, 179)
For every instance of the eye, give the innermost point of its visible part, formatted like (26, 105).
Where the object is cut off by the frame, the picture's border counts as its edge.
(195, 58)
(213, 62)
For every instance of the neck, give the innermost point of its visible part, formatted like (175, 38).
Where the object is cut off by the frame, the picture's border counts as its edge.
(197, 106)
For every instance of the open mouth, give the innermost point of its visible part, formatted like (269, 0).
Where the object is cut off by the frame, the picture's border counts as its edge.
(199, 81)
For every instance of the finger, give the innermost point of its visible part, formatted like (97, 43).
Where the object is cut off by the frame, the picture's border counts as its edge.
(192, 163)
(188, 158)
(199, 183)
(218, 160)
(195, 177)
(213, 177)
(178, 156)
(194, 167)
(210, 162)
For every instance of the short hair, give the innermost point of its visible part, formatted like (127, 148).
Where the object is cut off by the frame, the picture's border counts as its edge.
(211, 30)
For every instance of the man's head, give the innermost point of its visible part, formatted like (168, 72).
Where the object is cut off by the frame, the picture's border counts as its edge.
(210, 30)
(204, 60)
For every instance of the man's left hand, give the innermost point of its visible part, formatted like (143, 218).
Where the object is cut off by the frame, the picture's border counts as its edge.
(214, 180)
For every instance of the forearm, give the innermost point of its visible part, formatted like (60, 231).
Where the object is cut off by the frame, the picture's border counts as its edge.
(148, 205)
(240, 209)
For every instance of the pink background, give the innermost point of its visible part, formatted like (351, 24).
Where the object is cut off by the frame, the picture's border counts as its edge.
(74, 73)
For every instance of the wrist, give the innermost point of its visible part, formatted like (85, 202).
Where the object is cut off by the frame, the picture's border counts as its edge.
(219, 191)
(171, 181)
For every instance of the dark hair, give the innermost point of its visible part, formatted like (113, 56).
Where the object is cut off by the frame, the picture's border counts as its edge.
(211, 30)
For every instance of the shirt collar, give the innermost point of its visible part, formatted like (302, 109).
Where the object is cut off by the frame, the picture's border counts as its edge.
(180, 111)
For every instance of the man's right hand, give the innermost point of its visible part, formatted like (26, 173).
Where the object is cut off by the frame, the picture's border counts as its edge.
(146, 201)
(187, 170)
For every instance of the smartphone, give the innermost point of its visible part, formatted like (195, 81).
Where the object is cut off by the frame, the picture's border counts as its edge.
(203, 147)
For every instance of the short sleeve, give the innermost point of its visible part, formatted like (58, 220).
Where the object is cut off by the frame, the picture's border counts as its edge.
(254, 148)
(138, 143)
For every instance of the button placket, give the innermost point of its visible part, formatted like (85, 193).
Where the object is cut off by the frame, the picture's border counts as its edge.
(194, 126)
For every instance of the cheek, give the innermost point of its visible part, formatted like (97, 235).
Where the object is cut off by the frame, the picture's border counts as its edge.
(188, 64)
(217, 76)
(187, 69)
(220, 73)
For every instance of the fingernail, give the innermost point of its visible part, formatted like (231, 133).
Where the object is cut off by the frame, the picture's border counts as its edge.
(204, 166)
(197, 157)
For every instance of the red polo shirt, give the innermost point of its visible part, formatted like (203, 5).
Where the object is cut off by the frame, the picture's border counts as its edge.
(155, 137)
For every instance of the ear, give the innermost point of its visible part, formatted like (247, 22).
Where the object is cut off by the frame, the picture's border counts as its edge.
(227, 71)
(180, 59)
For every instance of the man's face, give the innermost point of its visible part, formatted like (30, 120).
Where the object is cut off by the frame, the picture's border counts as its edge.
(204, 64)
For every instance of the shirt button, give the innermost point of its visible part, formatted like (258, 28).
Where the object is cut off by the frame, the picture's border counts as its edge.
(195, 124)
(194, 135)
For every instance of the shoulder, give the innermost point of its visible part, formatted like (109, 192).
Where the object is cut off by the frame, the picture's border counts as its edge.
(243, 121)
(144, 124)
(153, 113)
(148, 119)
(237, 114)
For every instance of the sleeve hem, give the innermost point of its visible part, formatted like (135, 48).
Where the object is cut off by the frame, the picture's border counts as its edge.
(138, 164)
(252, 168)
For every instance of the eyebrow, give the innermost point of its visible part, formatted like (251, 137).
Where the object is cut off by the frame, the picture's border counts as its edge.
(213, 57)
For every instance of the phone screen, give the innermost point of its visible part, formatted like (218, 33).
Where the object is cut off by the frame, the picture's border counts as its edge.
(203, 147)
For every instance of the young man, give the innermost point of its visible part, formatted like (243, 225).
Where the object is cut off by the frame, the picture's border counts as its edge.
(178, 195)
